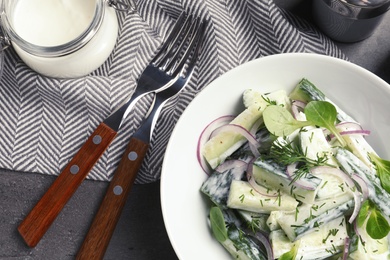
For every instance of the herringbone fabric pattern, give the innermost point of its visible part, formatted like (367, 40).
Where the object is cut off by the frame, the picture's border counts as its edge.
(44, 121)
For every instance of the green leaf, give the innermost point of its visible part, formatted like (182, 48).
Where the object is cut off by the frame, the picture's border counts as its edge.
(377, 225)
(218, 225)
(280, 122)
(363, 213)
(292, 254)
(323, 114)
(382, 168)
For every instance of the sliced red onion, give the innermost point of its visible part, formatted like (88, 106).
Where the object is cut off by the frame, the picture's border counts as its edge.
(205, 136)
(358, 204)
(318, 170)
(202, 162)
(298, 182)
(296, 107)
(348, 181)
(299, 103)
(242, 131)
(237, 129)
(348, 128)
(237, 166)
(266, 243)
(295, 111)
(349, 125)
(346, 248)
(256, 126)
(258, 188)
(362, 184)
(353, 132)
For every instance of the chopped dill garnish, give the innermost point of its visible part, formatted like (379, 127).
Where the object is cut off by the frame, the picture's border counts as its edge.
(286, 153)
(269, 101)
(242, 197)
(332, 232)
(254, 224)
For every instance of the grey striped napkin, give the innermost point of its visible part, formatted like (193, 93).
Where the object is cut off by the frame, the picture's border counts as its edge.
(44, 121)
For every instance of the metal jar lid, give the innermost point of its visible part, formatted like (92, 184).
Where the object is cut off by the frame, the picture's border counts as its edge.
(359, 9)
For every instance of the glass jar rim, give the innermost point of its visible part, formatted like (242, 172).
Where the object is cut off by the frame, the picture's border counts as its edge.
(357, 9)
(57, 50)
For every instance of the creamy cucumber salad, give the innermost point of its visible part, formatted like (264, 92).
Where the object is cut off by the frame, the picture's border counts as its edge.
(293, 177)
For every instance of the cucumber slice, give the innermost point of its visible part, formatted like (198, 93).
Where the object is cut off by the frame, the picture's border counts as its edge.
(325, 241)
(218, 148)
(272, 221)
(306, 91)
(272, 175)
(353, 165)
(253, 97)
(358, 145)
(238, 243)
(217, 187)
(243, 196)
(254, 221)
(307, 217)
(315, 145)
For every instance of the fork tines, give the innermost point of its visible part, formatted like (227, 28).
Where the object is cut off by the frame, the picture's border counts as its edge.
(180, 45)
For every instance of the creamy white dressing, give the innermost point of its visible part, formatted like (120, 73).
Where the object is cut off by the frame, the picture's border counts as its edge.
(52, 22)
(274, 176)
(334, 201)
(352, 164)
(304, 219)
(315, 245)
(242, 196)
(217, 186)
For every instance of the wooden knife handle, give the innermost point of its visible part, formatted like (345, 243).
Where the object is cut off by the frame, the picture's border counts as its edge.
(104, 223)
(38, 221)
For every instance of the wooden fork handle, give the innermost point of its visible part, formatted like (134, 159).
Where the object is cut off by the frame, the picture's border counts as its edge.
(104, 223)
(38, 221)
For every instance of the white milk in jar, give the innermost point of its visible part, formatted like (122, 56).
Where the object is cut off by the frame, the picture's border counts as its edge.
(52, 22)
(61, 38)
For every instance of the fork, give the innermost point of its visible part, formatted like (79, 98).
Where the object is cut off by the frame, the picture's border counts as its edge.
(104, 223)
(158, 75)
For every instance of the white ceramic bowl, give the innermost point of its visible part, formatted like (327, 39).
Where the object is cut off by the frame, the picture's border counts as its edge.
(357, 91)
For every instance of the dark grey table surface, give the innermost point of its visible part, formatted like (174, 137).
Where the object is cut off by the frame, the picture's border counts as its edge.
(140, 233)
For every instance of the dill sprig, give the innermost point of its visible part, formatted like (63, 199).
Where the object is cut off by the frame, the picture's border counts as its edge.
(284, 152)
(269, 101)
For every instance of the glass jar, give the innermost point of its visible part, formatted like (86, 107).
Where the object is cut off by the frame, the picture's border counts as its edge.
(349, 20)
(61, 39)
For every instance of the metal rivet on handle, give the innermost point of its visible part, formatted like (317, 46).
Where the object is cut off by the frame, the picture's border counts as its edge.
(118, 190)
(74, 169)
(132, 156)
(97, 139)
